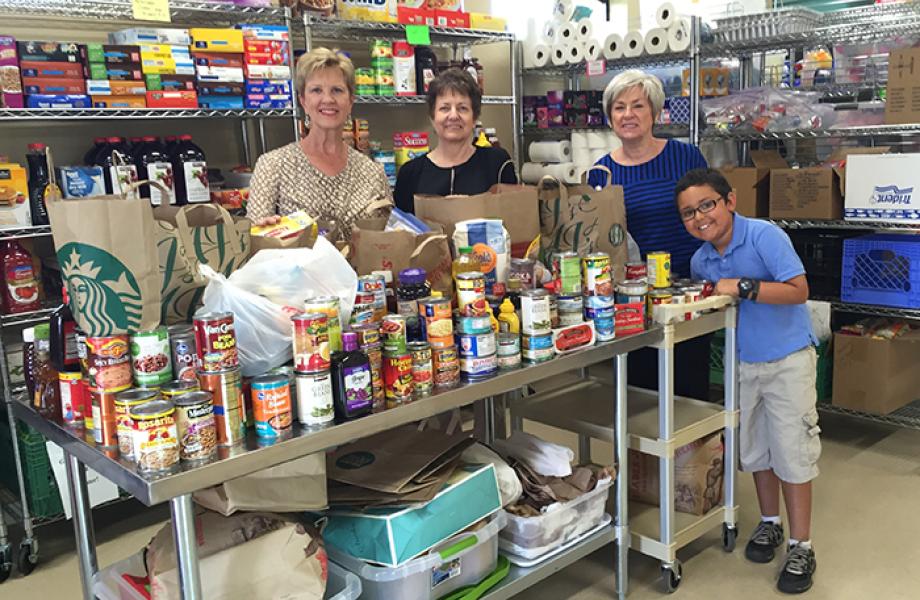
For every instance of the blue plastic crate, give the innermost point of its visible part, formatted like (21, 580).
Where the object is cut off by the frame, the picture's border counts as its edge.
(882, 269)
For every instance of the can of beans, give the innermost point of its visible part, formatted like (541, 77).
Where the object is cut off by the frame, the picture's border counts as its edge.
(535, 314)
(179, 387)
(438, 326)
(73, 398)
(473, 325)
(229, 405)
(537, 348)
(271, 405)
(105, 429)
(124, 429)
(393, 333)
(109, 363)
(471, 294)
(183, 353)
(311, 342)
(422, 368)
(314, 398)
(156, 440)
(374, 354)
(329, 306)
(150, 357)
(446, 363)
(636, 270)
(475, 346)
(397, 378)
(598, 280)
(215, 340)
(475, 368)
(659, 269)
(195, 426)
(566, 267)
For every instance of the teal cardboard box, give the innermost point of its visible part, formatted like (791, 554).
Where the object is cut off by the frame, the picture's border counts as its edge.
(391, 536)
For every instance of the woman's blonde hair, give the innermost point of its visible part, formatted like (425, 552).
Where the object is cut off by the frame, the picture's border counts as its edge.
(323, 58)
(650, 84)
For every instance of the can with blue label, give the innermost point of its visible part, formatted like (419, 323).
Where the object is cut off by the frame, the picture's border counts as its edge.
(476, 325)
(537, 348)
(603, 314)
(476, 346)
(476, 368)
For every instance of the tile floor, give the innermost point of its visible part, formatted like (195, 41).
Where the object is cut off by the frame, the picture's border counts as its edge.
(865, 533)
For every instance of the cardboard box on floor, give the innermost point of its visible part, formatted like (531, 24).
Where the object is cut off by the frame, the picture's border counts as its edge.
(903, 99)
(883, 188)
(752, 184)
(876, 376)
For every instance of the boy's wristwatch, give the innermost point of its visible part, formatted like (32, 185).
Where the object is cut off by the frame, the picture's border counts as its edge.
(748, 288)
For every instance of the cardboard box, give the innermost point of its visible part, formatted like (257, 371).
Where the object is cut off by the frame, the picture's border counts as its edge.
(57, 70)
(120, 101)
(105, 87)
(50, 51)
(167, 66)
(267, 58)
(268, 87)
(81, 182)
(163, 99)
(213, 88)
(268, 72)
(883, 188)
(157, 82)
(811, 193)
(151, 35)
(267, 102)
(53, 85)
(58, 101)
(265, 46)
(220, 74)
(752, 184)
(378, 11)
(415, 16)
(484, 21)
(221, 102)
(11, 95)
(265, 32)
(113, 54)
(14, 196)
(206, 39)
(450, 18)
(876, 376)
(902, 103)
(116, 72)
(218, 59)
(153, 51)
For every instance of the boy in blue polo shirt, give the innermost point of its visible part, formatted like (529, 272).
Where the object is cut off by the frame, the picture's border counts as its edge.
(754, 260)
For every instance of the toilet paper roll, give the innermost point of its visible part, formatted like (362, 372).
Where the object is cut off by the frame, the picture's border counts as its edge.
(633, 44)
(550, 31)
(666, 15)
(556, 151)
(540, 55)
(582, 157)
(679, 36)
(579, 139)
(557, 55)
(533, 172)
(563, 10)
(656, 41)
(583, 30)
(613, 46)
(592, 50)
(574, 54)
(597, 139)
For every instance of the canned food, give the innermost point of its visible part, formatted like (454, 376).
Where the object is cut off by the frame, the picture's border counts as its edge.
(471, 294)
(597, 303)
(393, 332)
(374, 354)
(362, 314)
(125, 402)
(478, 367)
(368, 334)
(195, 426)
(397, 378)
(537, 353)
(150, 357)
(376, 285)
(422, 368)
(535, 314)
(381, 49)
(537, 342)
(508, 344)
(570, 310)
(656, 298)
(73, 398)
(314, 398)
(553, 311)
(156, 441)
(693, 293)
(566, 267)
(709, 287)
(476, 345)
(567, 319)
(604, 324)
(598, 280)
(178, 387)
(474, 325)
(311, 342)
(437, 322)
(229, 405)
(364, 79)
(367, 298)
(678, 297)
(109, 363)
(629, 319)
(636, 270)
(658, 269)
(523, 270)
(631, 290)
(329, 306)
(446, 364)
(215, 339)
(105, 428)
(182, 352)
(509, 361)
(271, 404)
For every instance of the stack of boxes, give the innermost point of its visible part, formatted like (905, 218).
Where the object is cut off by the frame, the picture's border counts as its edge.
(166, 65)
(266, 55)
(218, 56)
(11, 95)
(53, 74)
(115, 76)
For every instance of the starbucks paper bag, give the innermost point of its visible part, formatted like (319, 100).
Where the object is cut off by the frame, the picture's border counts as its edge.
(106, 247)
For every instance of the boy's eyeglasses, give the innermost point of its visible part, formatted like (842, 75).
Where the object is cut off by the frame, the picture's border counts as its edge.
(704, 207)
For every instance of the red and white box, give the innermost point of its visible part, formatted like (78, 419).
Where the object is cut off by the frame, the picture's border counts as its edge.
(181, 99)
(11, 95)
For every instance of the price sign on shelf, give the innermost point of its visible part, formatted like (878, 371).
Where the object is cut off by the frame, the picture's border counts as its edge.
(151, 10)
(418, 35)
(596, 67)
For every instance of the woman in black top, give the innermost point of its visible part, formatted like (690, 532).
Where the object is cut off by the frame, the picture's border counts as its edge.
(455, 166)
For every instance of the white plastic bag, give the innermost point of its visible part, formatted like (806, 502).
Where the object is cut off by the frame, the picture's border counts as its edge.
(545, 458)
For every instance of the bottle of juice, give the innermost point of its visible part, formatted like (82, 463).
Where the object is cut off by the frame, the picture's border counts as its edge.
(465, 262)
(90, 157)
(20, 290)
(28, 359)
(191, 172)
(118, 169)
(352, 392)
(153, 164)
(47, 398)
(64, 355)
(38, 182)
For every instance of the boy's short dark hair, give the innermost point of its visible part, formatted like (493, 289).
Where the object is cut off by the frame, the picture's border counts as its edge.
(458, 81)
(698, 177)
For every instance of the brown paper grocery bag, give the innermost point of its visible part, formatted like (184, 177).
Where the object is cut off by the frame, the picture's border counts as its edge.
(106, 247)
(515, 204)
(583, 219)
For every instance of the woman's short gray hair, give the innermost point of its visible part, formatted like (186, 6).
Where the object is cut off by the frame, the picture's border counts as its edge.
(323, 58)
(651, 85)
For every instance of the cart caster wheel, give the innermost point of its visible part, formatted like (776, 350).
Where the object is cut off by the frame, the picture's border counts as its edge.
(672, 574)
(26, 560)
(6, 562)
(729, 537)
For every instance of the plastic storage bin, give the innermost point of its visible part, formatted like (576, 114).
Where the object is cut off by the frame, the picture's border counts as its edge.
(465, 559)
(882, 269)
(41, 488)
(533, 537)
(821, 252)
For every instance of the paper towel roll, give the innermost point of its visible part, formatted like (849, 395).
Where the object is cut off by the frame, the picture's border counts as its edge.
(532, 172)
(666, 15)
(582, 157)
(558, 55)
(574, 53)
(592, 50)
(550, 31)
(613, 46)
(557, 151)
(540, 55)
(633, 44)
(597, 139)
(583, 30)
(567, 33)
(564, 9)
(656, 41)
(679, 36)
(579, 139)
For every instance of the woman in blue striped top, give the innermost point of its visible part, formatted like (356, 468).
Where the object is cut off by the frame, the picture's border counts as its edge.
(649, 168)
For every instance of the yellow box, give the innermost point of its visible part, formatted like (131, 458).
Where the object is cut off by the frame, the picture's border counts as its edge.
(13, 182)
(216, 40)
(484, 21)
(360, 10)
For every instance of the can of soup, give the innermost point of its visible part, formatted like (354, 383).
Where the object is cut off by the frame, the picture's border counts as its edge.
(271, 404)
(109, 363)
(156, 440)
(150, 357)
(125, 402)
(229, 405)
(195, 426)
(314, 398)
(215, 340)
(435, 315)
(311, 342)
(183, 354)
(636, 270)
(329, 306)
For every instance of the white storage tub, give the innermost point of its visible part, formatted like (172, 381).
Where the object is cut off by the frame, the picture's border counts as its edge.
(465, 559)
(533, 537)
(108, 583)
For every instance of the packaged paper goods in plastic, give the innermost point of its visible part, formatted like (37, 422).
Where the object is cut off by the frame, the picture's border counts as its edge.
(246, 556)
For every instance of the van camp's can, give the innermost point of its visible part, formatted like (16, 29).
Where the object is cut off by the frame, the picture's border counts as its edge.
(151, 357)
(476, 346)
(446, 364)
(329, 306)
(566, 268)
(471, 294)
(156, 439)
(215, 340)
(195, 426)
(659, 269)
(393, 334)
(105, 429)
(314, 398)
(229, 404)
(422, 368)
(182, 352)
(437, 322)
(311, 342)
(535, 313)
(178, 387)
(595, 269)
(397, 378)
(271, 405)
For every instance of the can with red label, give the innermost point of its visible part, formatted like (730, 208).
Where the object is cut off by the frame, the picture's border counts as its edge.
(471, 294)
(393, 332)
(636, 270)
(229, 405)
(446, 364)
(73, 401)
(215, 339)
(109, 363)
(311, 342)
(629, 318)
(422, 368)
(397, 378)
(184, 356)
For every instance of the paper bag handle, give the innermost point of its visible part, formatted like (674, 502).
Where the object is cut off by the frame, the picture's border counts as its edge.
(501, 170)
(378, 204)
(584, 175)
(421, 247)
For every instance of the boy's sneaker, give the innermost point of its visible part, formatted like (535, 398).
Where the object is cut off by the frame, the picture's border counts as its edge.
(764, 542)
(796, 576)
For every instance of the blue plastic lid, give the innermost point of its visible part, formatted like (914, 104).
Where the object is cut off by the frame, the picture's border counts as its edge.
(413, 276)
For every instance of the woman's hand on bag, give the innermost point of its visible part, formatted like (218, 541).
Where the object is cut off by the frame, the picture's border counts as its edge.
(272, 220)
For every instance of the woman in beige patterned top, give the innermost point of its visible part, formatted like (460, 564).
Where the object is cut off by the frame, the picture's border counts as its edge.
(320, 174)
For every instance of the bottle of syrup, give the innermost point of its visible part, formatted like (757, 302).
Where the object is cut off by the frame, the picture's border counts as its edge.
(352, 393)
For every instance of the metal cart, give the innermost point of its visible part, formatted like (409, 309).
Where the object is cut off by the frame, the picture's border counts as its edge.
(655, 423)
